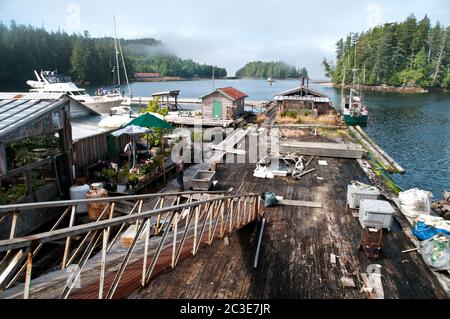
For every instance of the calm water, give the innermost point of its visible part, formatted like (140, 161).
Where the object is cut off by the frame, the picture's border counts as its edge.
(413, 128)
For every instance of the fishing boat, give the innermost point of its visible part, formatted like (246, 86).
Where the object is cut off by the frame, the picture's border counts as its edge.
(270, 80)
(52, 82)
(353, 108)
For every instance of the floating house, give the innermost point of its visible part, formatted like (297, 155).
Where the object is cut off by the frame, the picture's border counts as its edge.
(301, 98)
(223, 104)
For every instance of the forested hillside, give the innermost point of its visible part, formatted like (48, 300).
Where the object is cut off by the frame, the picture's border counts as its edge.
(410, 53)
(25, 48)
(278, 70)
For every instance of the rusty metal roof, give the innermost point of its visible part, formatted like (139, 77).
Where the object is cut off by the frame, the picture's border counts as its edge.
(230, 92)
(233, 93)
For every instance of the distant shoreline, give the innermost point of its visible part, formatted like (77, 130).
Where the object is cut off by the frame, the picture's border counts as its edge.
(395, 89)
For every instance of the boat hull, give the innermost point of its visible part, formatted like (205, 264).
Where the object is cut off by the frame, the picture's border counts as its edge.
(353, 120)
(103, 105)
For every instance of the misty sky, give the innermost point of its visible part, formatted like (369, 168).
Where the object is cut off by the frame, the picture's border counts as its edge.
(228, 33)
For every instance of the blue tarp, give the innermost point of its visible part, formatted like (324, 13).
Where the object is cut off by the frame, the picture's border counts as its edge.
(424, 231)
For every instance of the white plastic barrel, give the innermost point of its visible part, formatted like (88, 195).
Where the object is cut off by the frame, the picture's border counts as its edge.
(79, 192)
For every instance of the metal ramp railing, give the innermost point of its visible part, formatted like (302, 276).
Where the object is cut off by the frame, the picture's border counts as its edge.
(175, 222)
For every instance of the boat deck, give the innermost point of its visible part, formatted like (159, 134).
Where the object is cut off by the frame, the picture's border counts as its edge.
(294, 260)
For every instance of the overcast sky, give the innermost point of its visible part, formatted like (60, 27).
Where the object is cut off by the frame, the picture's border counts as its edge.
(228, 33)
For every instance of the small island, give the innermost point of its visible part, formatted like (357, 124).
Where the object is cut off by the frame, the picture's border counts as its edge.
(275, 70)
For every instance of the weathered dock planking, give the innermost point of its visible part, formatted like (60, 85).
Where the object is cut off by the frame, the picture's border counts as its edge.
(293, 254)
(294, 261)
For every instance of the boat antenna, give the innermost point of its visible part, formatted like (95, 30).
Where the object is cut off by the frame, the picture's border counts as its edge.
(116, 53)
(213, 79)
(124, 66)
(343, 80)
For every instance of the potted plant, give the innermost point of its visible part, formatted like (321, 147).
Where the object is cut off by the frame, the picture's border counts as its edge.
(109, 175)
(133, 178)
(122, 176)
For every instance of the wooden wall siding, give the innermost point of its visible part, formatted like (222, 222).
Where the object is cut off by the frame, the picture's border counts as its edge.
(240, 107)
(229, 110)
(90, 150)
(3, 166)
(305, 105)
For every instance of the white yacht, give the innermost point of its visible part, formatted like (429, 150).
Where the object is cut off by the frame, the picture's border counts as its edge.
(51, 82)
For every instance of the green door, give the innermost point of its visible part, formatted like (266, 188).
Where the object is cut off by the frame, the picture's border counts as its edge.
(217, 110)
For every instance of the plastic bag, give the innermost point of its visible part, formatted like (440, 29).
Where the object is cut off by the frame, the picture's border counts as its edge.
(436, 252)
(270, 199)
(415, 202)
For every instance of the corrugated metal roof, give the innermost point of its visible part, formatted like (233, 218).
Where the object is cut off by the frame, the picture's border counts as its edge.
(87, 126)
(19, 109)
(171, 93)
(30, 96)
(233, 93)
(300, 88)
(303, 98)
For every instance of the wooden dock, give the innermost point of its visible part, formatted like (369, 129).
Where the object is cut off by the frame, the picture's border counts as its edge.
(305, 250)
(297, 243)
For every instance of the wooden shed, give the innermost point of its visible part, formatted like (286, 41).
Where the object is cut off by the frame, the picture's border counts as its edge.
(92, 143)
(223, 104)
(303, 98)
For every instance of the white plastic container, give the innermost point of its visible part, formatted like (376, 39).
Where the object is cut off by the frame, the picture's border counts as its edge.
(80, 192)
(376, 212)
(357, 192)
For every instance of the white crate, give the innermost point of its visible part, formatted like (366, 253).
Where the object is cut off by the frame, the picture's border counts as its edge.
(356, 193)
(376, 212)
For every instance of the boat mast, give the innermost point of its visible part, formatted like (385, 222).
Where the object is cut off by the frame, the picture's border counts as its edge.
(124, 67)
(117, 53)
(213, 79)
(343, 81)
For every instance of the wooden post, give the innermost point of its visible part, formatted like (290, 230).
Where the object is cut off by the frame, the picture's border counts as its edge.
(12, 233)
(68, 240)
(147, 239)
(174, 245)
(101, 284)
(3, 164)
(26, 293)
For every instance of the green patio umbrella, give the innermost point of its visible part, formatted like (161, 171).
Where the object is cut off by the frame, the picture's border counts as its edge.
(150, 121)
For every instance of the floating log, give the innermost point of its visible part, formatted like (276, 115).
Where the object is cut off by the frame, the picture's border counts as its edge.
(396, 166)
(375, 153)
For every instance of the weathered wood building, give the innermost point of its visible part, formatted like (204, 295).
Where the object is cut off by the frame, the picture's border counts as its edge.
(223, 104)
(92, 143)
(35, 154)
(303, 98)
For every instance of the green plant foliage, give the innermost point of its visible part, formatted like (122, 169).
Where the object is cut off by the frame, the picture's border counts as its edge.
(86, 59)
(277, 70)
(409, 53)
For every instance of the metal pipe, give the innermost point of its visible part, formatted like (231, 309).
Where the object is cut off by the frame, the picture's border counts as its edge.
(258, 248)
(63, 203)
